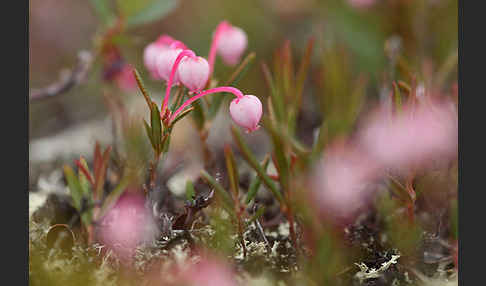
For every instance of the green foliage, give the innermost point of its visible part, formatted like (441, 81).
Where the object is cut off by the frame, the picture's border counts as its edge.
(103, 10)
(190, 192)
(74, 187)
(252, 161)
(256, 182)
(144, 11)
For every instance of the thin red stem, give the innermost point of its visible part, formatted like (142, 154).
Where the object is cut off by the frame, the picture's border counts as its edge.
(229, 89)
(181, 55)
(214, 44)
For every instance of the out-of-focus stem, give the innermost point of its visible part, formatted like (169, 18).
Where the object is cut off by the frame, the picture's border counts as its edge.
(411, 203)
(203, 136)
(153, 171)
(214, 45)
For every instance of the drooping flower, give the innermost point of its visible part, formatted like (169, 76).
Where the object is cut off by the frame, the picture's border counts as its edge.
(229, 42)
(164, 62)
(414, 137)
(151, 52)
(232, 44)
(246, 112)
(341, 183)
(193, 72)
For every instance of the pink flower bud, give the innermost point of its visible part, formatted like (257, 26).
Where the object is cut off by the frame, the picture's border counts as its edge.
(193, 72)
(164, 62)
(165, 40)
(246, 112)
(151, 52)
(232, 44)
(154, 49)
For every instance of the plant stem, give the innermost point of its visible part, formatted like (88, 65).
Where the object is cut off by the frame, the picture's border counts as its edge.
(184, 53)
(153, 171)
(214, 45)
(229, 89)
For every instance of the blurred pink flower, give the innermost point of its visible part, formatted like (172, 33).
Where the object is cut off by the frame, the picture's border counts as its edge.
(126, 225)
(125, 79)
(209, 272)
(414, 137)
(164, 62)
(151, 52)
(229, 42)
(154, 49)
(341, 182)
(232, 44)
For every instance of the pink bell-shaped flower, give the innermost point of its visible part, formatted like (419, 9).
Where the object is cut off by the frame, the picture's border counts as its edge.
(164, 62)
(232, 43)
(152, 50)
(193, 72)
(150, 53)
(246, 111)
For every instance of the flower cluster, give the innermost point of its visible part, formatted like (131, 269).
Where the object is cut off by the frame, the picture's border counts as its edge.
(170, 60)
(420, 136)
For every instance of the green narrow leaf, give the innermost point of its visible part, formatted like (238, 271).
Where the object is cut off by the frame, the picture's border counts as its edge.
(288, 72)
(198, 114)
(241, 69)
(144, 11)
(181, 115)
(83, 180)
(112, 198)
(279, 149)
(165, 143)
(257, 215)
(232, 171)
(454, 219)
(74, 187)
(227, 201)
(141, 86)
(276, 99)
(101, 174)
(247, 154)
(156, 125)
(302, 72)
(397, 98)
(148, 130)
(255, 184)
(190, 192)
(179, 96)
